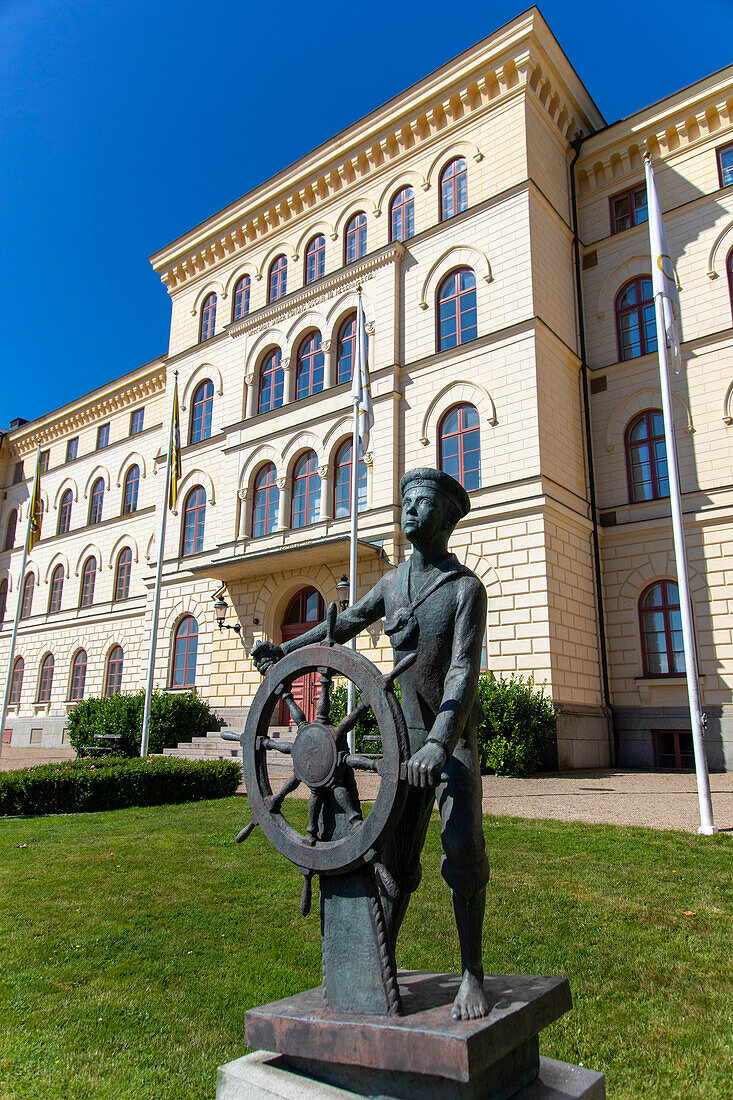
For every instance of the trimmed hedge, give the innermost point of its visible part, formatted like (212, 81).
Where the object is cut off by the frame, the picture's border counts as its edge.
(114, 782)
(175, 717)
(518, 725)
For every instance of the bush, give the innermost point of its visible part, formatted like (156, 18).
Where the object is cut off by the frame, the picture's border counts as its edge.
(366, 726)
(519, 723)
(114, 782)
(174, 717)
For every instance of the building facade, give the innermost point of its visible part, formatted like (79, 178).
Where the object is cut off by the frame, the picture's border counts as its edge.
(464, 208)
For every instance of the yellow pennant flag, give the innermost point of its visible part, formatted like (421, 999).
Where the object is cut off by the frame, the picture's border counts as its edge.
(175, 456)
(35, 515)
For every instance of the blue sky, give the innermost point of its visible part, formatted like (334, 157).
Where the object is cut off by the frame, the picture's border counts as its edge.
(126, 122)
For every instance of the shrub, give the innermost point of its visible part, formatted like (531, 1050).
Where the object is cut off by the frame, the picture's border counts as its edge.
(174, 717)
(519, 723)
(114, 782)
(366, 726)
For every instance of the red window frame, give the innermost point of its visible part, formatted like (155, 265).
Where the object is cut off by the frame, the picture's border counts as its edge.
(10, 529)
(724, 154)
(346, 350)
(635, 456)
(306, 495)
(241, 297)
(668, 604)
(636, 215)
(468, 443)
(201, 411)
(130, 490)
(16, 682)
(453, 189)
(643, 309)
(123, 573)
(729, 269)
(3, 599)
(681, 757)
(72, 448)
(57, 590)
(113, 676)
(342, 481)
(102, 437)
(26, 596)
(277, 279)
(456, 316)
(45, 679)
(45, 460)
(185, 653)
(272, 382)
(208, 318)
(96, 502)
(402, 215)
(310, 366)
(194, 521)
(137, 420)
(315, 259)
(266, 501)
(65, 507)
(78, 676)
(355, 238)
(88, 582)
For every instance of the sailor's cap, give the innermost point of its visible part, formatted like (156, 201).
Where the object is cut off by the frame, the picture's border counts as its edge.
(440, 481)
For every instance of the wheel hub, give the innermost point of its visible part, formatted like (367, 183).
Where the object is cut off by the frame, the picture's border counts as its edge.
(314, 755)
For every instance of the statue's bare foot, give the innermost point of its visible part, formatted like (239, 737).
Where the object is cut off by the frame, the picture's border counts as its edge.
(470, 1002)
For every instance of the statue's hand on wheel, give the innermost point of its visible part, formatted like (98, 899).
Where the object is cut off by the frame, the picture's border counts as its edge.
(264, 654)
(425, 767)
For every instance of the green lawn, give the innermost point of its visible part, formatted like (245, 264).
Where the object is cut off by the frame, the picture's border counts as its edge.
(133, 941)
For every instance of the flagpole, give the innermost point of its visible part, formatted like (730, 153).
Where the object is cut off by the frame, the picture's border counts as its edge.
(16, 620)
(351, 691)
(145, 735)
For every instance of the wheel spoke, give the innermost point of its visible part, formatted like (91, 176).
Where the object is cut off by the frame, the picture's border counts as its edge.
(352, 718)
(362, 763)
(324, 703)
(285, 747)
(295, 711)
(277, 800)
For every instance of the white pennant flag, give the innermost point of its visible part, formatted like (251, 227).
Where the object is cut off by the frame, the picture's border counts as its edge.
(360, 389)
(664, 279)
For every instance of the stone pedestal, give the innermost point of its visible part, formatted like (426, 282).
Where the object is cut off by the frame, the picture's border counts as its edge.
(423, 1054)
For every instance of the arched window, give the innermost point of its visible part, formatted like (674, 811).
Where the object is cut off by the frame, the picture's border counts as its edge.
(272, 381)
(266, 502)
(453, 188)
(355, 238)
(309, 369)
(241, 297)
(646, 456)
(201, 407)
(460, 446)
(57, 590)
(315, 259)
(402, 215)
(78, 676)
(306, 490)
(65, 512)
(277, 280)
(661, 630)
(26, 596)
(342, 482)
(636, 325)
(194, 518)
(185, 649)
(208, 317)
(457, 309)
(3, 599)
(129, 491)
(45, 680)
(113, 678)
(10, 530)
(16, 682)
(122, 574)
(346, 350)
(96, 501)
(88, 578)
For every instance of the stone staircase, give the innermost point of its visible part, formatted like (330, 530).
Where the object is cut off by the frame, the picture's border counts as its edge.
(214, 747)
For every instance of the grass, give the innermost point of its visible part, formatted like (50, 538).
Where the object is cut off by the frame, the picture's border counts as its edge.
(131, 943)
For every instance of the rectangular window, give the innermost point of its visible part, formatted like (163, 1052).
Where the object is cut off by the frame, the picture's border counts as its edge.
(18, 473)
(36, 736)
(673, 750)
(72, 448)
(102, 436)
(725, 165)
(136, 421)
(7, 737)
(629, 208)
(45, 458)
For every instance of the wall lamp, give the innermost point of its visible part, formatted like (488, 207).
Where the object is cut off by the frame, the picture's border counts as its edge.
(343, 592)
(220, 612)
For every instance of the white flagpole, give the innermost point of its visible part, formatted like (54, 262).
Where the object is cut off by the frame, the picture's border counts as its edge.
(351, 691)
(16, 620)
(145, 735)
(707, 826)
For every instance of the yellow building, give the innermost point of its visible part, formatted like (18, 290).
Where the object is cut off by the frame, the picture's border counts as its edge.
(452, 207)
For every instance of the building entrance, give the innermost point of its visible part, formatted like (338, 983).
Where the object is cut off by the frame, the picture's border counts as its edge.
(305, 610)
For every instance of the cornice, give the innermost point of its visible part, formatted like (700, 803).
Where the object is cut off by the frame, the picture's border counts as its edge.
(521, 55)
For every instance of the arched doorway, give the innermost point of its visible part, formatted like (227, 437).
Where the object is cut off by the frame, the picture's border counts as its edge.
(303, 612)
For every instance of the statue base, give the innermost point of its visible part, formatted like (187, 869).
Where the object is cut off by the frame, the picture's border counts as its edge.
(305, 1051)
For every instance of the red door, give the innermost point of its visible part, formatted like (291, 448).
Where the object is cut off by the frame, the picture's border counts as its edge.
(304, 611)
